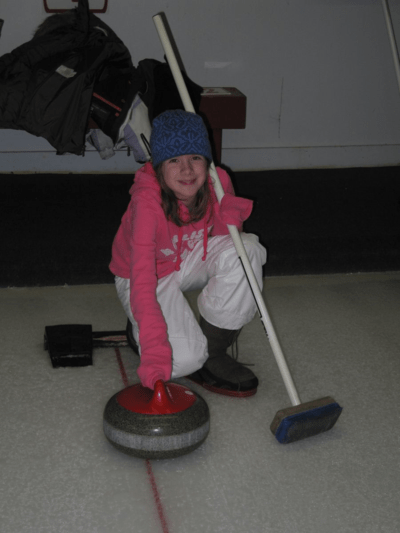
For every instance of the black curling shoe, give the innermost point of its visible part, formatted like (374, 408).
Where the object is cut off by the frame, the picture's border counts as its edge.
(221, 373)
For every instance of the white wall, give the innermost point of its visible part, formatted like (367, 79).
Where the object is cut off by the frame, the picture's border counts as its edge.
(318, 75)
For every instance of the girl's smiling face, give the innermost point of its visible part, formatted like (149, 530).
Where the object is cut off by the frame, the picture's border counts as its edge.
(185, 175)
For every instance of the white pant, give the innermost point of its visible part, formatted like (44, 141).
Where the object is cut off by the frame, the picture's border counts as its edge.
(226, 300)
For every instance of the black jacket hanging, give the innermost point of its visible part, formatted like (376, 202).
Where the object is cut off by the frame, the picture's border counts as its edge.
(46, 84)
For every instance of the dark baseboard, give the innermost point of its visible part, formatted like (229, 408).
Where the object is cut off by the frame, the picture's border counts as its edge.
(58, 229)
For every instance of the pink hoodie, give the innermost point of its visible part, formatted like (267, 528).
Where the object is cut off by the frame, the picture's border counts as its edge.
(148, 247)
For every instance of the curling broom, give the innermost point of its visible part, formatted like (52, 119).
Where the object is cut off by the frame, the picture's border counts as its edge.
(302, 419)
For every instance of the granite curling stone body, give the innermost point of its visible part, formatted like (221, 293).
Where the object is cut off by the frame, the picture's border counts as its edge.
(168, 422)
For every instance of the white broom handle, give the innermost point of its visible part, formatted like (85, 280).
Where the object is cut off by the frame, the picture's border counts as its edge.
(187, 103)
(392, 39)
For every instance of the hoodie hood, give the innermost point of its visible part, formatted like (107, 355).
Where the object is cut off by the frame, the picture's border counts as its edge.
(146, 182)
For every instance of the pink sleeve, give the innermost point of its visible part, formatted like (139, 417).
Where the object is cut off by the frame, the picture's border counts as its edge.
(233, 210)
(156, 353)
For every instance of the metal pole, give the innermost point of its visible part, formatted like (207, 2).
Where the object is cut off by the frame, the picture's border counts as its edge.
(392, 39)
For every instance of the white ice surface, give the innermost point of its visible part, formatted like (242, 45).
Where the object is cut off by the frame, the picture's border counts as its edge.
(341, 337)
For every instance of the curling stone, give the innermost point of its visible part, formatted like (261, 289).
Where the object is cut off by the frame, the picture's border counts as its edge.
(168, 422)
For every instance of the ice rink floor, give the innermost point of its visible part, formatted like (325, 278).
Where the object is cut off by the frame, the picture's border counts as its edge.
(341, 337)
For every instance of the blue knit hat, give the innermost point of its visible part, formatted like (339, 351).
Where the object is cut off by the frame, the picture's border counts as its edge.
(177, 132)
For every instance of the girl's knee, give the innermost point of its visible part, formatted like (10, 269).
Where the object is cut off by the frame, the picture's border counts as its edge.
(187, 360)
(254, 249)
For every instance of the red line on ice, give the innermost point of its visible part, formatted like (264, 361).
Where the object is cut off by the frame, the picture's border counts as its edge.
(156, 494)
(150, 474)
(121, 368)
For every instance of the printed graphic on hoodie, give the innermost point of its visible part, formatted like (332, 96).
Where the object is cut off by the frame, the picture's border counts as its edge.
(190, 241)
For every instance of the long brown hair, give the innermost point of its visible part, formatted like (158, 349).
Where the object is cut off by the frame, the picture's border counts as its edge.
(197, 210)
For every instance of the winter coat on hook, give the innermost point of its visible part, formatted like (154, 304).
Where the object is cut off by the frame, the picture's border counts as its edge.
(46, 84)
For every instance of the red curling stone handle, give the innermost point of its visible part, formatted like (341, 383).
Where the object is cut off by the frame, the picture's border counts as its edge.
(167, 398)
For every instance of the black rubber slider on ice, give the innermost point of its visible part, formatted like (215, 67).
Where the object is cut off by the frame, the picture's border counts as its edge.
(69, 345)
